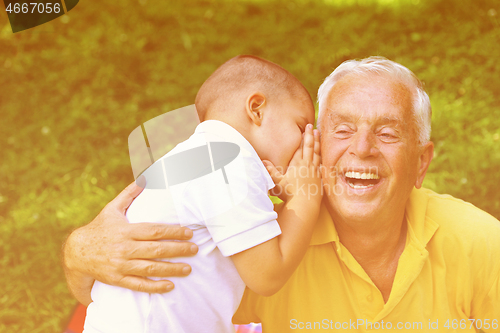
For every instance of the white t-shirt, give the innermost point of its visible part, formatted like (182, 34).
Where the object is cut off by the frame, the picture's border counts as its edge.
(228, 208)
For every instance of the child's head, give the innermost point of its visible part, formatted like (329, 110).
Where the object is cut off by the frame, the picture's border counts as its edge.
(263, 101)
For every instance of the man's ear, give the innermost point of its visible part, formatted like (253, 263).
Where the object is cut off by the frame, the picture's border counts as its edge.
(425, 158)
(254, 107)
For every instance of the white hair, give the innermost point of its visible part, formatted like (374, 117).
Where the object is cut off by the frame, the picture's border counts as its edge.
(379, 65)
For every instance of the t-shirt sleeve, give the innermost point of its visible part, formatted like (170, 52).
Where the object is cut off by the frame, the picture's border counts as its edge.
(238, 213)
(249, 223)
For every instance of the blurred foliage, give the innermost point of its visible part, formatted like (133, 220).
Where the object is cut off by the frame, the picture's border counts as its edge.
(74, 88)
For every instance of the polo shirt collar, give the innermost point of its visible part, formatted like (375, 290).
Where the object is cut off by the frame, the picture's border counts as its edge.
(420, 227)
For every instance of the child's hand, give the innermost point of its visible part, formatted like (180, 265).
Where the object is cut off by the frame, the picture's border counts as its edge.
(303, 177)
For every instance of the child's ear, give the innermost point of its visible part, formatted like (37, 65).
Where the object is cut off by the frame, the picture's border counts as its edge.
(254, 107)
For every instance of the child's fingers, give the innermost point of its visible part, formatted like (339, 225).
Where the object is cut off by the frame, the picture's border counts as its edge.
(308, 149)
(317, 149)
(273, 172)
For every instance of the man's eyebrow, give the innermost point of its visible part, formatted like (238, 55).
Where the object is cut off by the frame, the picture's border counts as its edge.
(391, 121)
(335, 117)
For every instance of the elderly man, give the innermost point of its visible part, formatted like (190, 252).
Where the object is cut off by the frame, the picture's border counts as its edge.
(385, 254)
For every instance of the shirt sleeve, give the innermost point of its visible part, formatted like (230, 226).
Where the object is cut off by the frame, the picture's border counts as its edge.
(234, 205)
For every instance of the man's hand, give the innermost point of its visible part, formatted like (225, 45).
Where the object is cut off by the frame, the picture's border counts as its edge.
(111, 250)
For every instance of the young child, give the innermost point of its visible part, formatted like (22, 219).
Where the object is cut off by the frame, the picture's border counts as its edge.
(251, 110)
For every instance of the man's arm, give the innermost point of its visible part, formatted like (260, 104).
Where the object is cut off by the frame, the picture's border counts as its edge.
(111, 250)
(265, 268)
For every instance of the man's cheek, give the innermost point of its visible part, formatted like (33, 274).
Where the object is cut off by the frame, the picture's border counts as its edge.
(329, 175)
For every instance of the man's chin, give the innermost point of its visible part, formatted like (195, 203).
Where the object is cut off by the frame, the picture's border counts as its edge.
(354, 210)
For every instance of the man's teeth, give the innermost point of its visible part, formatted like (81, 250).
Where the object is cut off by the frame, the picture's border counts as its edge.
(361, 175)
(359, 186)
(360, 180)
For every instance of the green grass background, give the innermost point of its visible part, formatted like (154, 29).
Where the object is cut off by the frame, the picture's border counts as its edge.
(73, 89)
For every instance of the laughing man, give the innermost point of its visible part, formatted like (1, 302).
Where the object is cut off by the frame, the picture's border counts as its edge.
(385, 253)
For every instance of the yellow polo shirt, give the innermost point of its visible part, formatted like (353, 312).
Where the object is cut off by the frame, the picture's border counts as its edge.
(448, 273)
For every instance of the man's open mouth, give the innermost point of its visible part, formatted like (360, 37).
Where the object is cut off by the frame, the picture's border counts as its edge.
(360, 180)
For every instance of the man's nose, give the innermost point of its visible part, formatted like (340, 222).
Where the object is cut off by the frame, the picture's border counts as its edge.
(364, 144)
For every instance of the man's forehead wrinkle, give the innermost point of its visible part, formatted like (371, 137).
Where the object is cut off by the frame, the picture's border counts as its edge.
(364, 81)
(340, 117)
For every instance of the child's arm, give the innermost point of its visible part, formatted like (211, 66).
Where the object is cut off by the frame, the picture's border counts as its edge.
(265, 268)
